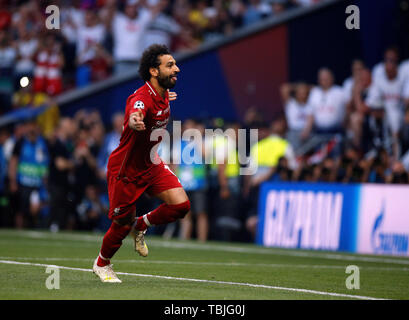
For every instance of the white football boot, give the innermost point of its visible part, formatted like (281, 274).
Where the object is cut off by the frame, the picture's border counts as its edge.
(106, 274)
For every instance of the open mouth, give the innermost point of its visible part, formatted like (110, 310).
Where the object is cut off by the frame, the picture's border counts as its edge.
(174, 78)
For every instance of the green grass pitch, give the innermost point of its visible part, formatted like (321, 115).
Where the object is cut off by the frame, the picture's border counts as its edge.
(178, 270)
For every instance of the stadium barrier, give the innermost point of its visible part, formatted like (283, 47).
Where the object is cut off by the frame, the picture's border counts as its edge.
(22, 114)
(359, 218)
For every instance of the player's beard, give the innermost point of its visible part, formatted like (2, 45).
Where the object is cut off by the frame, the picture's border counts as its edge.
(166, 82)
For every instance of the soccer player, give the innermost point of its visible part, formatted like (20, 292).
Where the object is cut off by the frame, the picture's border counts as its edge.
(131, 169)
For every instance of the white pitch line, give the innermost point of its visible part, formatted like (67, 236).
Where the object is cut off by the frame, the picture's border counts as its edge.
(333, 294)
(225, 248)
(277, 251)
(226, 264)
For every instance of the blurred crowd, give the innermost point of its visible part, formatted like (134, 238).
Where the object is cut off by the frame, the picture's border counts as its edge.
(97, 38)
(362, 124)
(53, 169)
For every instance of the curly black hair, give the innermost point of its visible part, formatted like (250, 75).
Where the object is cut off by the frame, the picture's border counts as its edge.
(150, 59)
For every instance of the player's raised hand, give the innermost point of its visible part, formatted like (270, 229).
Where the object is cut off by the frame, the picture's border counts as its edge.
(136, 121)
(172, 95)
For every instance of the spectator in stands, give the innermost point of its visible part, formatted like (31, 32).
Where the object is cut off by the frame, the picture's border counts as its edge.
(93, 210)
(5, 15)
(90, 39)
(28, 170)
(357, 110)
(227, 221)
(97, 134)
(404, 139)
(328, 104)
(278, 7)
(26, 46)
(60, 177)
(49, 64)
(185, 41)
(39, 206)
(328, 170)
(405, 93)
(3, 160)
(398, 175)
(283, 172)
(218, 23)
(360, 172)
(348, 85)
(162, 29)
(192, 174)
(8, 56)
(30, 16)
(304, 3)
(378, 71)
(85, 158)
(110, 143)
(256, 11)
(265, 155)
(386, 92)
(404, 70)
(47, 121)
(236, 11)
(101, 65)
(198, 19)
(297, 112)
(128, 29)
(376, 133)
(252, 120)
(18, 131)
(4, 201)
(72, 18)
(87, 143)
(379, 168)
(345, 164)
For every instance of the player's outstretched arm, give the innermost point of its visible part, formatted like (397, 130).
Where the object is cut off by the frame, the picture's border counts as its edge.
(136, 121)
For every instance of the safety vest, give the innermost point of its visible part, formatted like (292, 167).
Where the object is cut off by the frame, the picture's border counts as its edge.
(268, 151)
(232, 168)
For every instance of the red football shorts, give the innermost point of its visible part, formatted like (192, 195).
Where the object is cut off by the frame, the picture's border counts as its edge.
(123, 193)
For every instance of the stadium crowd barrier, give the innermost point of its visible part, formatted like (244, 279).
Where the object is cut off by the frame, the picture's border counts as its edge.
(359, 218)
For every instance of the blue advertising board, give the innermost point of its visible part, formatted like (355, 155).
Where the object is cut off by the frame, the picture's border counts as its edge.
(362, 218)
(308, 216)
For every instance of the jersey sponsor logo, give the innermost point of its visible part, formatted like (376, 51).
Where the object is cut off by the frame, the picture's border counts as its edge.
(139, 105)
(160, 124)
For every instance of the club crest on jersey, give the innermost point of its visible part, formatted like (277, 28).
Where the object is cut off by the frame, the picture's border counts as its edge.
(138, 105)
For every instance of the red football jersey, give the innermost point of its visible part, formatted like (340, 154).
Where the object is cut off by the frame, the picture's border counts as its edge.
(132, 158)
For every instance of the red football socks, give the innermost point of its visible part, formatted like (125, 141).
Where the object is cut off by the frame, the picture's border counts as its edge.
(165, 213)
(112, 242)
